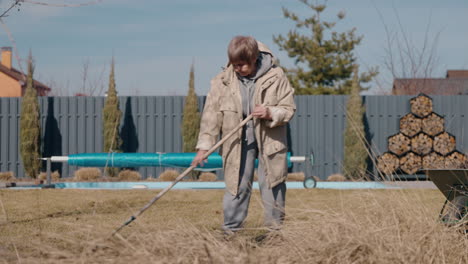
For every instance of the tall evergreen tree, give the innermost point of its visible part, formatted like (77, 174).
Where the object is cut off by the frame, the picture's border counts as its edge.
(191, 119)
(30, 130)
(355, 144)
(324, 60)
(111, 119)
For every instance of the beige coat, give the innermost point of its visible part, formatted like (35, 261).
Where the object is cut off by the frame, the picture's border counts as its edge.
(223, 112)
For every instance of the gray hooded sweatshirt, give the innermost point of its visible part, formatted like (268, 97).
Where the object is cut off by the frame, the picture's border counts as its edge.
(247, 89)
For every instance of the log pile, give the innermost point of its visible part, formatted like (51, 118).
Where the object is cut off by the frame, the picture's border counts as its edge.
(399, 144)
(433, 161)
(422, 143)
(421, 105)
(455, 160)
(433, 124)
(388, 163)
(444, 143)
(410, 125)
(410, 163)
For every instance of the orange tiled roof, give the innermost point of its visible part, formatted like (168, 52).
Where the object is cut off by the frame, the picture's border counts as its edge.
(17, 75)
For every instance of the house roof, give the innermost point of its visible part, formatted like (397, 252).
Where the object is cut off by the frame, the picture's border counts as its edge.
(457, 74)
(434, 86)
(456, 82)
(17, 75)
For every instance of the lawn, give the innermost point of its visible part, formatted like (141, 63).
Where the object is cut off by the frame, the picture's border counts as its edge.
(322, 226)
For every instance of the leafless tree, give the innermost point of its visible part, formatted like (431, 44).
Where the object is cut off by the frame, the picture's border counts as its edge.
(84, 75)
(58, 88)
(16, 4)
(91, 85)
(403, 58)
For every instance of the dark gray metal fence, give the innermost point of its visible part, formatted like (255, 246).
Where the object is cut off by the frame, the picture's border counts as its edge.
(152, 124)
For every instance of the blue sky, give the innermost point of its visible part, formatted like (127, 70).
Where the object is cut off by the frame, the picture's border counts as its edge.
(155, 42)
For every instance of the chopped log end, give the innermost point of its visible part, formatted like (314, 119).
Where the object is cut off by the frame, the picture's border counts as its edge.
(421, 105)
(387, 163)
(410, 125)
(410, 163)
(456, 160)
(399, 144)
(421, 144)
(444, 143)
(433, 124)
(433, 161)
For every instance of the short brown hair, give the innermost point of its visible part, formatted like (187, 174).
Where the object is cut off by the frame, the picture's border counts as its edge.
(243, 48)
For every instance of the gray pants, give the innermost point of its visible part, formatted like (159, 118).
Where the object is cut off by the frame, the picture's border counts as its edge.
(236, 206)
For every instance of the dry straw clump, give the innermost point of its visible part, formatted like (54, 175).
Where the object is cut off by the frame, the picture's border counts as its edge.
(7, 176)
(169, 175)
(336, 177)
(208, 176)
(88, 174)
(129, 175)
(55, 176)
(298, 176)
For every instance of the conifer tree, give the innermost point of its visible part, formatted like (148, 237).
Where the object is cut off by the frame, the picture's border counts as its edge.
(111, 119)
(323, 60)
(30, 130)
(191, 119)
(355, 144)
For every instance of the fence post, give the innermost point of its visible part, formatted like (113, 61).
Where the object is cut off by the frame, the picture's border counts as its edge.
(48, 171)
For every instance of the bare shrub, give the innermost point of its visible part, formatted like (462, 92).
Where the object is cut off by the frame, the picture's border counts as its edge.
(55, 176)
(208, 176)
(297, 176)
(129, 175)
(169, 175)
(336, 177)
(88, 174)
(7, 176)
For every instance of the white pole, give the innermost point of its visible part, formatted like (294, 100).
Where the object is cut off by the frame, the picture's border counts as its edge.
(59, 159)
(297, 159)
(294, 159)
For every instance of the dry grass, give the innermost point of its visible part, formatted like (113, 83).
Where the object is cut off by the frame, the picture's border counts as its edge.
(208, 176)
(7, 176)
(322, 226)
(129, 175)
(88, 174)
(299, 176)
(55, 176)
(169, 175)
(336, 177)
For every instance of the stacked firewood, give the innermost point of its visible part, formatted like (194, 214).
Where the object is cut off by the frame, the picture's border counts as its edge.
(422, 143)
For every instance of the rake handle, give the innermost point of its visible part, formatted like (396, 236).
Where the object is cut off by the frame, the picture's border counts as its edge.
(187, 171)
